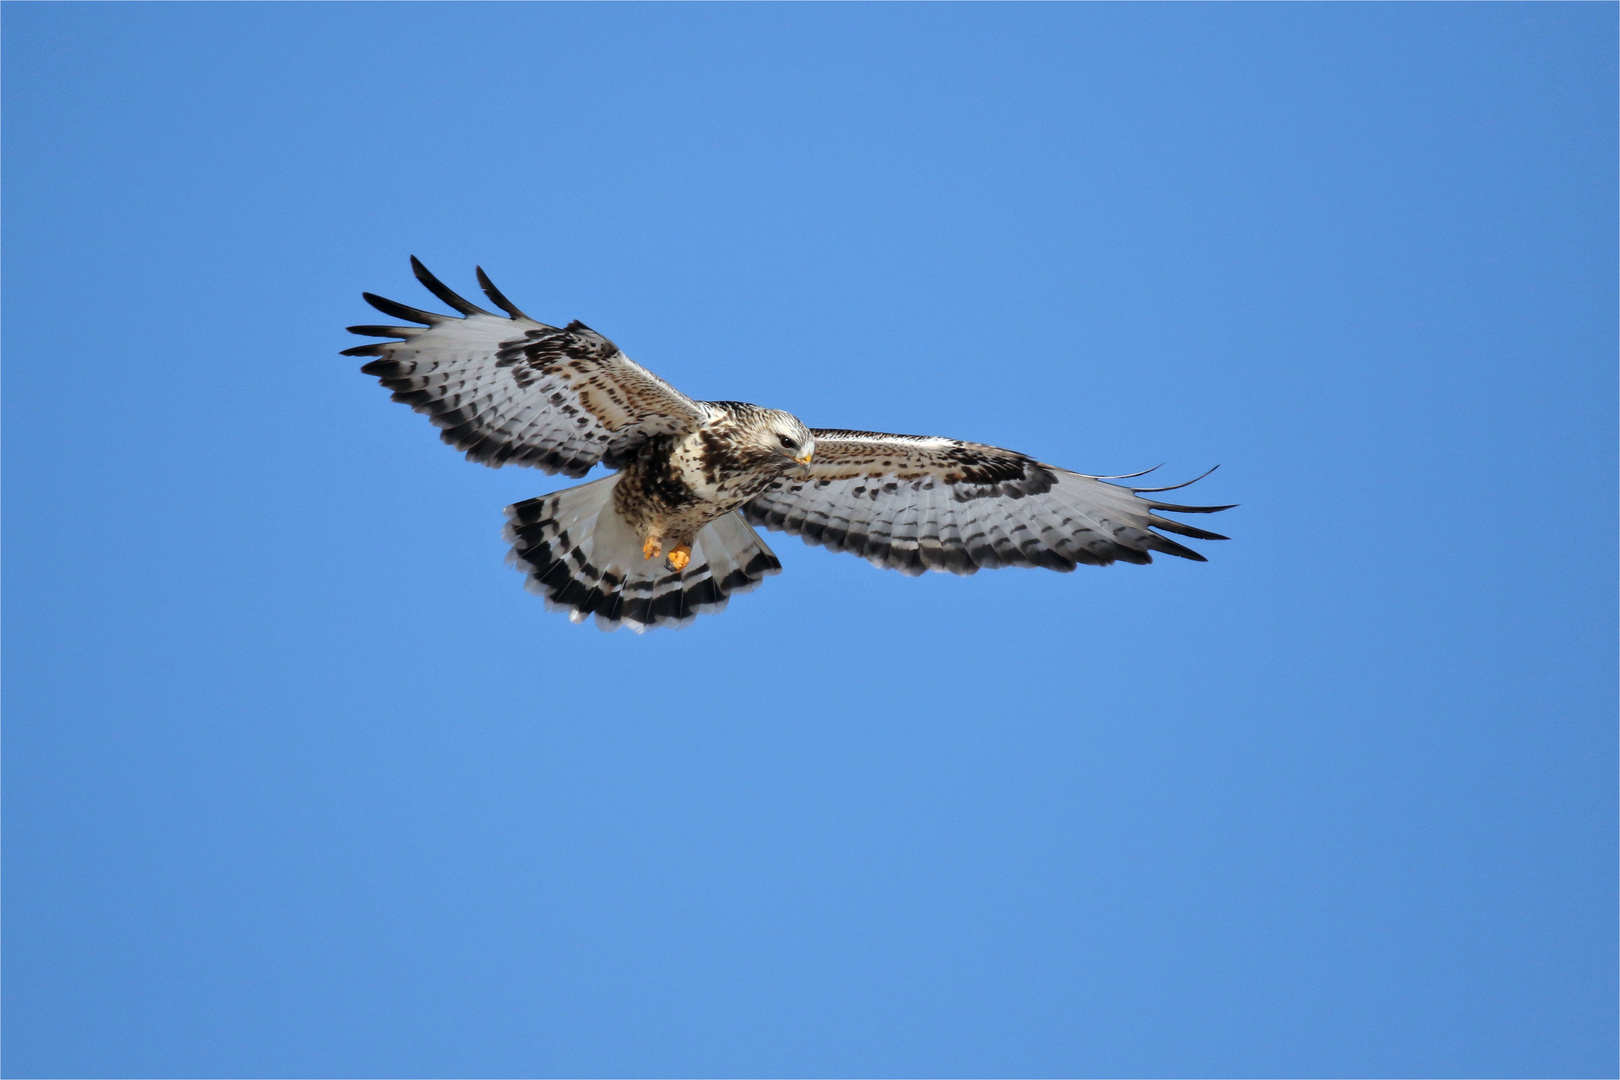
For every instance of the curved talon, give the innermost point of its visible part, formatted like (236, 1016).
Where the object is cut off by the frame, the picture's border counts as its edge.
(680, 555)
(651, 547)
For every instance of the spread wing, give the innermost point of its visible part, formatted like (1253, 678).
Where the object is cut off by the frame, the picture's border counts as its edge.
(915, 503)
(513, 390)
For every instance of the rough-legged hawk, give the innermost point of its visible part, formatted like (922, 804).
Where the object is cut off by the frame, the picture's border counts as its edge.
(667, 538)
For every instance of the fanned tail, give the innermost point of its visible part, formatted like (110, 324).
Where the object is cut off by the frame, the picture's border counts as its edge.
(582, 558)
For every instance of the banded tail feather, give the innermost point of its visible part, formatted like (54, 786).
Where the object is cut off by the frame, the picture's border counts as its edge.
(580, 556)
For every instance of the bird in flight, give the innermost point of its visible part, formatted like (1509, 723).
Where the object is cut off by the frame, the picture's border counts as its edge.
(668, 537)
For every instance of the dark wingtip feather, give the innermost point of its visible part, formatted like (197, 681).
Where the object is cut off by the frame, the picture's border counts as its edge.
(1170, 547)
(1182, 529)
(1173, 487)
(443, 291)
(1130, 475)
(401, 311)
(374, 349)
(385, 331)
(1177, 508)
(497, 297)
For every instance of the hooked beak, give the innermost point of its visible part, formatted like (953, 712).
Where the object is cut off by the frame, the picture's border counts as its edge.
(808, 454)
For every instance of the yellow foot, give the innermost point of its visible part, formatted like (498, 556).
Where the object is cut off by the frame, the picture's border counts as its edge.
(680, 556)
(652, 547)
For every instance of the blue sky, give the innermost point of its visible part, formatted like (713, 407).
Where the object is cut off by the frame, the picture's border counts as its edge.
(300, 782)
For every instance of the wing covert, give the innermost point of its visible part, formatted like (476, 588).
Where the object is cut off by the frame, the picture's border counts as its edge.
(513, 390)
(914, 503)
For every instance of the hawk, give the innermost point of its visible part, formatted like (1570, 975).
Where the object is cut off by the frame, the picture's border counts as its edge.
(668, 537)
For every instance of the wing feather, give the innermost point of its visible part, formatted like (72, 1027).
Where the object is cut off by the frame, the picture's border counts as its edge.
(444, 292)
(913, 503)
(511, 390)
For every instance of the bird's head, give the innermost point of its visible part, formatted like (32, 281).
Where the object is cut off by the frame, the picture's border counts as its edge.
(783, 434)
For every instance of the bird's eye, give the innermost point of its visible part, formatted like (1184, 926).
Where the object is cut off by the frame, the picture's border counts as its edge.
(787, 443)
